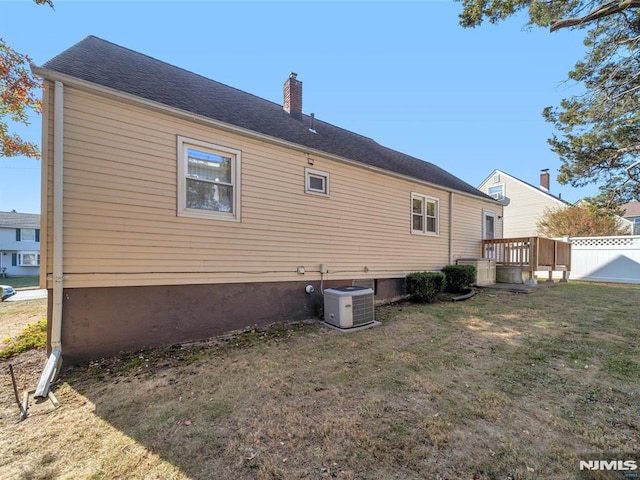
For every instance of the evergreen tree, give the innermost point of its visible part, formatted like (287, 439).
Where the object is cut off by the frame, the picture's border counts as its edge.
(598, 133)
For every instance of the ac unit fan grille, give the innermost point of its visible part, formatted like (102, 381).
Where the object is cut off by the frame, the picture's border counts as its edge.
(362, 309)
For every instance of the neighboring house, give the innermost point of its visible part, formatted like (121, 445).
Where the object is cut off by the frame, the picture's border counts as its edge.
(183, 208)
(19, 244)
(632, 214)
(524, 203)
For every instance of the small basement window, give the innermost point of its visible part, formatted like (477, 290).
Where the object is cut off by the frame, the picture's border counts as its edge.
(316, 182)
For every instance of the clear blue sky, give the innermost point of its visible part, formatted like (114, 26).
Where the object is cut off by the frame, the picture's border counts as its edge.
(404, 74)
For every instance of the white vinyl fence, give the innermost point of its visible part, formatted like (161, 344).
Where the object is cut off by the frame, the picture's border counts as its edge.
(606, 259)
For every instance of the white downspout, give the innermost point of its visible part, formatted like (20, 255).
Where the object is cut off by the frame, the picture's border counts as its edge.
(450, 228)
(53, 363)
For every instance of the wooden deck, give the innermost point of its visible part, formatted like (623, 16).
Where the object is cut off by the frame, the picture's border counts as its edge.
(532, 254)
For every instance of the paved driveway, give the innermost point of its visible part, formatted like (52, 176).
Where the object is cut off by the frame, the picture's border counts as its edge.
(27, 295)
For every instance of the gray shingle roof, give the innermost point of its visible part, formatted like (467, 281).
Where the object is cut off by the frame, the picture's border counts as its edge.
(540, 190)
(104, 63)
(631, 209)
(19, 220)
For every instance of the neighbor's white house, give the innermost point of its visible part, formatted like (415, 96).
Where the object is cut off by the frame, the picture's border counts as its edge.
(19, 244)
(632, 214)
(524, 203)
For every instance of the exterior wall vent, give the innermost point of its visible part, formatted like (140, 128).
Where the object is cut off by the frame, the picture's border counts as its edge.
(349, 307)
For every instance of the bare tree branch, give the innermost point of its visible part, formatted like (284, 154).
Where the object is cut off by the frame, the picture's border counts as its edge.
(609, 8)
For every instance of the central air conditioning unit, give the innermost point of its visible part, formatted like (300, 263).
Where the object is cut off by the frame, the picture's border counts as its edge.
(349, 307)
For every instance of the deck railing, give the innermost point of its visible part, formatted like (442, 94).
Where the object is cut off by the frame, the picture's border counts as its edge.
(533, 254)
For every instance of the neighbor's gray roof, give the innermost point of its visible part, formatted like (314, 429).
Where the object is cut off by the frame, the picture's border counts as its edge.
(19, 220)
(539, 189)
(104, 63)
(631, 209)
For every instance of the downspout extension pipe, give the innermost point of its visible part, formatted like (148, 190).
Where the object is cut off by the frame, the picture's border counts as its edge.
(52, 367)
(464, 296)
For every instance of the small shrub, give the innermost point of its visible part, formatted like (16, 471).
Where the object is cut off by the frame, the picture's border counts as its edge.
(424, 287)
(34, 335)
(459, 277)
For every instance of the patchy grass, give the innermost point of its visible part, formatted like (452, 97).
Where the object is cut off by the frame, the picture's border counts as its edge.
(34, 335)
(14, 316)
(22, 282)
(508, 386)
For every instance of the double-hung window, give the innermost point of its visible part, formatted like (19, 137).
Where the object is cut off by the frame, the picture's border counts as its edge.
(208, 180)
(27, 235)
(424, 214)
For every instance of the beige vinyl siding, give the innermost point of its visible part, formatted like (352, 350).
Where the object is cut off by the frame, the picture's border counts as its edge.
(468, 218)
(121, 226)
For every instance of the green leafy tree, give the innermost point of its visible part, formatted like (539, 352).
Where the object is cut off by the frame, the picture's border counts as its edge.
(598, 133)
(583, 220)
(19, 96)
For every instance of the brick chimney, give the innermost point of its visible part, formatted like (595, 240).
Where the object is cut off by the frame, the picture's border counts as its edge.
(293, 96)
(544, 179)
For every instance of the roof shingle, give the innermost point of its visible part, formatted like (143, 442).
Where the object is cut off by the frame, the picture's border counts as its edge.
(19, 220)
(631, 209)
(104, 63)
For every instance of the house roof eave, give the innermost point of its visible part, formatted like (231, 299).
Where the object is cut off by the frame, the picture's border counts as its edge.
(91, 87)
(560, 201)
(110, 65)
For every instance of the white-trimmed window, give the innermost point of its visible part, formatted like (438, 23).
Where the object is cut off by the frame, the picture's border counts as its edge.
(27, 235)
(496, 191)
(208, 180)
(424, 214)
(28, 259)
(316, 182)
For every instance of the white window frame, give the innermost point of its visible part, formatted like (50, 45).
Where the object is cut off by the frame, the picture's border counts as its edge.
(236, 155)
(485, 214)
(31, 238)
(310, 173)
(21, 262)
(425, 199)
(502, 192)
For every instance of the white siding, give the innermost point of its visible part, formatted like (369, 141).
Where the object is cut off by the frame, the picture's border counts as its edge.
(526, 205)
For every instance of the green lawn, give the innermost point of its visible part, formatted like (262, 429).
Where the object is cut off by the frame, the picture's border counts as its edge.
(22, 282)
(502, 386)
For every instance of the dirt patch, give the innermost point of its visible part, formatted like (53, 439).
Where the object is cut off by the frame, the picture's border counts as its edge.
(27, 368)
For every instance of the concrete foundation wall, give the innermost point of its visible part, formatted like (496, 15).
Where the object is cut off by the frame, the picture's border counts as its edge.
(100, 322)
